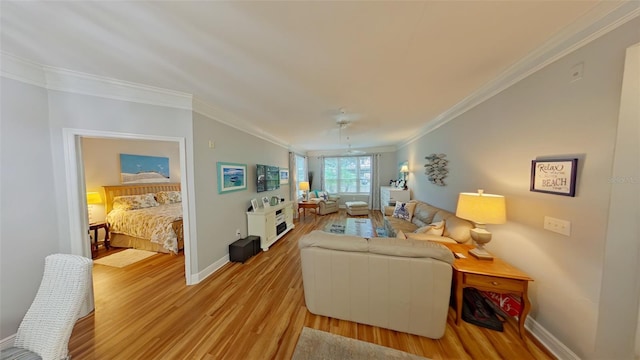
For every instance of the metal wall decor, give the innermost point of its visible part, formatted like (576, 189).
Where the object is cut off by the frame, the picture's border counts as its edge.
(436, 168)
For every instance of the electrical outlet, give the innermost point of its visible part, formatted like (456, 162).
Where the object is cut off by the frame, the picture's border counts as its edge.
(557, 225)
(238, 235)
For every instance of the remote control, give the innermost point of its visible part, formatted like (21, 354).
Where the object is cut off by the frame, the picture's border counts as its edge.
(460, 255)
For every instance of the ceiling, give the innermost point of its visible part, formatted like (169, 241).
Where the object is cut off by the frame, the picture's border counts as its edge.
(285, 68)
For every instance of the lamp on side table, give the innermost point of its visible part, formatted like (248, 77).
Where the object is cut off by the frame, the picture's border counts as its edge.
(481, 209)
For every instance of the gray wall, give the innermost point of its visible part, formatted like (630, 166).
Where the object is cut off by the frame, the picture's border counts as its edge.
(491, 147)
(220, 215)
(29, 221)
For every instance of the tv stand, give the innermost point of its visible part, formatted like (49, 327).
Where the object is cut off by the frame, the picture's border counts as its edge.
(271, 223)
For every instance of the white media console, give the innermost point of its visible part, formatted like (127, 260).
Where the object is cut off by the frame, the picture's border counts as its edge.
(270, 223)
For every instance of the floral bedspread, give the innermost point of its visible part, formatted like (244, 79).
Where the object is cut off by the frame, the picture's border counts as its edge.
(153, 223)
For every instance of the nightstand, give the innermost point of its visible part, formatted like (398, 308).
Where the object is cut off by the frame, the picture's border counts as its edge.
(495, 275)
(94, 227)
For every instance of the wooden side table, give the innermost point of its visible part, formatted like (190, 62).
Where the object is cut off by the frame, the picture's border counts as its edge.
(489, 275)
(308, 205)
(94, 227)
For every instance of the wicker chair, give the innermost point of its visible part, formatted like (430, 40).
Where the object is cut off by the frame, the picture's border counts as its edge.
(46, 328)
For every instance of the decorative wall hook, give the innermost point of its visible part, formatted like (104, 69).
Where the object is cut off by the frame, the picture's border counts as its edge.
(436, 168)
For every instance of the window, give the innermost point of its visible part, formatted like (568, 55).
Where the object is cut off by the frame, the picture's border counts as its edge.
(350, 175)
(301, 173)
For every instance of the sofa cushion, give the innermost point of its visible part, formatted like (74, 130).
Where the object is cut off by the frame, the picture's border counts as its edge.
(433, 229)
(423, 214)
(325, 240)
(394, 224)
(429, 237)
(404, 210)
(455, 228)
(410, 248)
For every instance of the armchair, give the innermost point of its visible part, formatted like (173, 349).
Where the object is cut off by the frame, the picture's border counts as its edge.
(325, 206)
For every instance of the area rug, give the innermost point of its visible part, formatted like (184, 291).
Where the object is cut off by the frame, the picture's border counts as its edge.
(381, 232)
(124, 258)
(315, 345)
(335, 228)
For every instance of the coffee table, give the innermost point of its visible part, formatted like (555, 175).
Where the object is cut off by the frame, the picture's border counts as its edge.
(353, 226)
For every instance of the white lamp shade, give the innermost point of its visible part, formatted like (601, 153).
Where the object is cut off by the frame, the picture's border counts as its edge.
(304, 185)
(404, 169)
(482, 208)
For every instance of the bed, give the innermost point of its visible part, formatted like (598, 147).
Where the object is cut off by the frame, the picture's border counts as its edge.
(145, 216)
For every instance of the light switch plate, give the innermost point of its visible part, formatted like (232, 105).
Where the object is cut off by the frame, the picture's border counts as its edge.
(557, 225)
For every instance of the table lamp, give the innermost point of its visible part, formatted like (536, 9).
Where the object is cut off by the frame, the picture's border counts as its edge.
(304, 186)
(404, 170)
(481, 209)
(93, 198)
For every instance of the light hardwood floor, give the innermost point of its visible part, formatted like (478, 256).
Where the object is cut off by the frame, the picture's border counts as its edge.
(247, 311)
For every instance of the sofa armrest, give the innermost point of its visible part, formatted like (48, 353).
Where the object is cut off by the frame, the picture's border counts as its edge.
(334, 197)
(388, 210)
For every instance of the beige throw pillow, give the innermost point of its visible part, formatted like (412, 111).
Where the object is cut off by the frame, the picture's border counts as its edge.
(436, 228)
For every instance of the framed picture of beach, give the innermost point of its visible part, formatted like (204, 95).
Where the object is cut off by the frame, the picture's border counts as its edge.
(231, 177)
(143, 169)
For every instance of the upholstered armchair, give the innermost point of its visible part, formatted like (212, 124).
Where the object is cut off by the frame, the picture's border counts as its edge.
(325, 206)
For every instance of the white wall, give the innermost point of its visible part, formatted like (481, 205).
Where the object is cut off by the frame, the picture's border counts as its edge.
(101, 158)
(220, 215)
(491, 147)
(29, 221)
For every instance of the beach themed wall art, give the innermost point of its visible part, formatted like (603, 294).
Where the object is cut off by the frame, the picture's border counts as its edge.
(436, 168)
(143, 169)
(284, 176)
(231, 177)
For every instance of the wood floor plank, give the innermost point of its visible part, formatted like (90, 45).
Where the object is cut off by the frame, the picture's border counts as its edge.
(254, 310)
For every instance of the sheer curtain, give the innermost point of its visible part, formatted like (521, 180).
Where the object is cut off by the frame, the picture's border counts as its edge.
(375, 182)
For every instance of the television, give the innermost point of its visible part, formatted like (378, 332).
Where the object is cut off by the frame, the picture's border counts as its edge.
(267, 177)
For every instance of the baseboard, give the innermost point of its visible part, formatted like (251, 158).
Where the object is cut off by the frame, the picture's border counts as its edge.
(555, 346)
(7, 342)
(209, 270)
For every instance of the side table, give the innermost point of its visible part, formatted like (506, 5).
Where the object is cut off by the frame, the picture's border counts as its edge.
(308, 205)
(94, 227)
(489, 275)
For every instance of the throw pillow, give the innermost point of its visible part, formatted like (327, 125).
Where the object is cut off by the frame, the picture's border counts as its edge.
(404, 210)
(324, 195)
(432, 229)
(133, 202)
(168, 197)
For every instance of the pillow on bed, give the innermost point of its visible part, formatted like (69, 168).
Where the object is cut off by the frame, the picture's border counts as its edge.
(132, 202)
(168, 197)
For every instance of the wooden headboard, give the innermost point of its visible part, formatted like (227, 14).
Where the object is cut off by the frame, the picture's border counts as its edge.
(111, 191)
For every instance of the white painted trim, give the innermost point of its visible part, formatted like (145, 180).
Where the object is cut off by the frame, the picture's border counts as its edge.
(88, 84)
(568, 41)
(78, 223)
(209, 270)
(208, 110)
(555, 346)
(13, 67)
(7, 342)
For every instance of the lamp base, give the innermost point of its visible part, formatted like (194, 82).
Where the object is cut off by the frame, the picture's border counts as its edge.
(481, 254)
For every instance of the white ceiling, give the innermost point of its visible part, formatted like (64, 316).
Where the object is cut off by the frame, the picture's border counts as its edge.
(286, 67)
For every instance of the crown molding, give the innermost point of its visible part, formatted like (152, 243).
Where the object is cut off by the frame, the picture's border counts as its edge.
(572, 38)
(215, 113)
(15, 68)
(101, 86)
(52, 78)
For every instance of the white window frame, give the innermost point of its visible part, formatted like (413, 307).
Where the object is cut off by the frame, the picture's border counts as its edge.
(358, 173)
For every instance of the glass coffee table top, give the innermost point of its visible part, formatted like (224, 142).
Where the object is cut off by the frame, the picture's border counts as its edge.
(353, 226)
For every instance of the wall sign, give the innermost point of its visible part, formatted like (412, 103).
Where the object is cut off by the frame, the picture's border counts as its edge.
(554, 176)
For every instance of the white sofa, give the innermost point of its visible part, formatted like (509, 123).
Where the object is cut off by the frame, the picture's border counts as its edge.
(402, 285)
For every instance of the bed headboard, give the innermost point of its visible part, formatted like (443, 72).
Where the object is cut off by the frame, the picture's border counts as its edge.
(111, 191)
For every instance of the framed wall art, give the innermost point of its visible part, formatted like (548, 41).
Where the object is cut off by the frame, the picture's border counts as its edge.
(143, 169)
(554, 176)
(284, 176)
(231, 177)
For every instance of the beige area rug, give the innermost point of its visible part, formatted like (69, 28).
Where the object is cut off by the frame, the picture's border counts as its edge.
(315, 345)
(124, 258)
